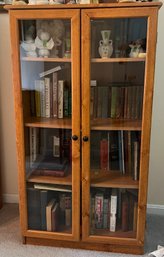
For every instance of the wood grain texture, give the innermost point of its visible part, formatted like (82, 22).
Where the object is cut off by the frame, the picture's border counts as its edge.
(73, 15)
(82, 6)
(88, 246)
(146, 121)
(128, 242)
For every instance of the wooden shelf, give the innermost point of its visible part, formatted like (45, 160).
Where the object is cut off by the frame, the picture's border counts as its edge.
(96, 124)
(115, 124)
(49, 123)
(46, 59)
(112, 179)
(104, 60)
(51, 180)
(118, 233)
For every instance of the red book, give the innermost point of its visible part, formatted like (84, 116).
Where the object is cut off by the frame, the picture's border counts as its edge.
(104, 154)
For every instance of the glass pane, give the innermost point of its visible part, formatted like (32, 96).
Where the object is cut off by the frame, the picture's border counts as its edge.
(45, 55)
(115, 38)
(118, 51)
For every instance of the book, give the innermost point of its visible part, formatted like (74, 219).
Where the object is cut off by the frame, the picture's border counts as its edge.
(55, 94)
(34, 144)
(49, 208)
(125, 212)
(113, 210)
(47, 97)
(53, 187)
(99, 198)
(50, 71)
(45, 197)
(68, 210)
(51, 163)
(51, 173)
(60, 98)
(56, 146)
(33, 208)
(104, 154)
(55, 212)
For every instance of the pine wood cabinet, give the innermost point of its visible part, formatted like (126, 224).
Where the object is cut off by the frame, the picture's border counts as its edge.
(83, 86)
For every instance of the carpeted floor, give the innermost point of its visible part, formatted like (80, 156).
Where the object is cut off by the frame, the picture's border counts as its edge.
(11, 244)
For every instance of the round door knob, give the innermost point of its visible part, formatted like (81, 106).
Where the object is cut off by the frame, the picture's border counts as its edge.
(85, 138)
(74, 137)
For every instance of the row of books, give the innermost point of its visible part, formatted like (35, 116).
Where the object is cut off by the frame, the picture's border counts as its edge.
(116, 150)
(51, 97)
(116, 101)
(113, 209)
(49, 208)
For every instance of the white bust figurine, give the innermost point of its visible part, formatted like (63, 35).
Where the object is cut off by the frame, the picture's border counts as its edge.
(44, 43)
(29, 46)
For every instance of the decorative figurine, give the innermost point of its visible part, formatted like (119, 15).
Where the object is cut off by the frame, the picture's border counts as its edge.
(105, 45)
(29, 44)
(136, 48)
(55, 28)
(44, 43)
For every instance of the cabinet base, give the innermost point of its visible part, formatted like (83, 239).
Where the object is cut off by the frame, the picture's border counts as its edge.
(86, 246)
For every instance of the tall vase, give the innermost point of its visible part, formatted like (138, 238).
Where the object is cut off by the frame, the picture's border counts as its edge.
(105, 45)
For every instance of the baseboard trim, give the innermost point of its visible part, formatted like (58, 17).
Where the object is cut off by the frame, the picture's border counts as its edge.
(10, 198)
(155, 209)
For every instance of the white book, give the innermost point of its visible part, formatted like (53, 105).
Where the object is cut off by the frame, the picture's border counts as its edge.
(60, 98)
(45, 73)
(53, 188)
(47, 98)
(113, 210)
(113, 222)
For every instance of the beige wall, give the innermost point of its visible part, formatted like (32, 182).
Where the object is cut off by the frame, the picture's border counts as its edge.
(7, 135)
(7, 128)
(156, 177)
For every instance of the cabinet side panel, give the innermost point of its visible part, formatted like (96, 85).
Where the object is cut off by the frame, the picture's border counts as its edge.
(146, 122)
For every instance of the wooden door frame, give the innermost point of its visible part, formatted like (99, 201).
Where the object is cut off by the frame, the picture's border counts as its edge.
(151, 13)
(74, 16)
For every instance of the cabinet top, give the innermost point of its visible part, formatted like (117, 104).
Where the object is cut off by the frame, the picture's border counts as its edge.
(81, 6)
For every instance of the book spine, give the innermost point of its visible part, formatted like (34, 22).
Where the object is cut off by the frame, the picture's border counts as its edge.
(47, 97)
(65, 102)
(56, 146)
(60, 98)
(42, 98)
(104, 154)
(113, 211)
(99, 211)
(45, 73)
(43, 201)
(55, 94)
(37, 98)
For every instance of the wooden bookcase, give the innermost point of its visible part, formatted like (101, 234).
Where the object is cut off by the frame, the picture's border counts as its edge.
(83, 132)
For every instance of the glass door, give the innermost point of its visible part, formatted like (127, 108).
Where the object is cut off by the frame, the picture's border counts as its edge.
(49, 91)
(115, 65)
